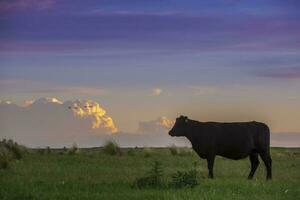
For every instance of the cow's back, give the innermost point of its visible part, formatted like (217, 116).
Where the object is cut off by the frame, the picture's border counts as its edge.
(234, 140)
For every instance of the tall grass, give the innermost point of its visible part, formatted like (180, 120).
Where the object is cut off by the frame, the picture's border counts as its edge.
(94, 175)
(13, 147)
(4, 159)
(9, 151)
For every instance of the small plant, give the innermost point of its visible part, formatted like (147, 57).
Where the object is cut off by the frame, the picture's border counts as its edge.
(48, 150)
(13, 148)
(112, 148)
(147, 152)
(152, 179)
(16, 151)
(174, 150)
(4, 159)
(183, 179)
(73, 150)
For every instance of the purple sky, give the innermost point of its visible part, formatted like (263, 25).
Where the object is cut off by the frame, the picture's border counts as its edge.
(223, 60)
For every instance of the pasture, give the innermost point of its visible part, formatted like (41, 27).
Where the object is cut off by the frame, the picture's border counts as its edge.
(93, 174)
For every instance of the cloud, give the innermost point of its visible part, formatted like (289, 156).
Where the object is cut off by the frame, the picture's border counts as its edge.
(165, 30)
(25, 86)
(160, 125)
(20, 5)
(202, 90)
(49, 121)
(280, 73)
(157, 91)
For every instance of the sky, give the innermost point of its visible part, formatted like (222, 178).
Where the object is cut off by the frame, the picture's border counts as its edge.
(145, 63)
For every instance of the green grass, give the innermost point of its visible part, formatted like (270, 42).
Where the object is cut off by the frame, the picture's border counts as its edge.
(92, 174)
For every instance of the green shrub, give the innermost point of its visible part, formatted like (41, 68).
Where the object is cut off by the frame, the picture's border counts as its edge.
(183, 179)
(112, 148)
(174, 150)
(4, 158)
(17, 153)
(73, 150)
(147, 152)
(10, 151)
(13, 148)
(152, 179)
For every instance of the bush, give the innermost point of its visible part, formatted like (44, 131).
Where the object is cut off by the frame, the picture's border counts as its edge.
(73, 150)
(13, 148)
(174, 150)
(4, 159)
(184, 179)
(112, 148)
(9, 151)
(16, 151)
(152, 179)
(147, 152)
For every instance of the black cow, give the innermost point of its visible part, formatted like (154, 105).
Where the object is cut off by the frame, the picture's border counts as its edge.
(234, 140)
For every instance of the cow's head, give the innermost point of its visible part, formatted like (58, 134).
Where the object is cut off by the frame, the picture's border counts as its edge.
(180, 126)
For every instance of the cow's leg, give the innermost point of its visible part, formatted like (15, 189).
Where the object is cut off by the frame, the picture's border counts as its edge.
(210, 166)
(254, 164)
(265, 156)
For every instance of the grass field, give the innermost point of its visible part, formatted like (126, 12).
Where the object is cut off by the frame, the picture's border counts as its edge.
(92, 174)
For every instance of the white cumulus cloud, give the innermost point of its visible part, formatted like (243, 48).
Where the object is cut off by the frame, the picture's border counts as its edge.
(49, 120)
(160, 125)
(157, 91)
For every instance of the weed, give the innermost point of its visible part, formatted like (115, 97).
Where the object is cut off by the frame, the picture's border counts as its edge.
(48, 150)
(13, 148)
(174, 150)
(112, 148)
(73, 150)
(4, 159)
(183, 179)
(147, 152)
(152, 179)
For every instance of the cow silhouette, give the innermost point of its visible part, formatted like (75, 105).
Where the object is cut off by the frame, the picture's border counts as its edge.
(235, 140)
